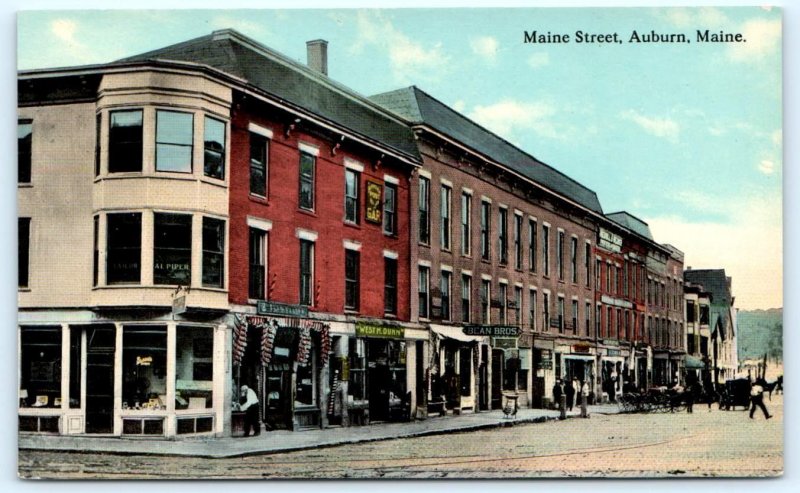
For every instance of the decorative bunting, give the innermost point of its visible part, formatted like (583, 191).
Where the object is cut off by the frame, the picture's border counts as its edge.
(269, 327)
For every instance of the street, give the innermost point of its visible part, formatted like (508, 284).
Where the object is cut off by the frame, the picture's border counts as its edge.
(704, 443)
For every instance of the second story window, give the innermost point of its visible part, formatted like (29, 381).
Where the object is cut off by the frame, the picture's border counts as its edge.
(424, 210)
(23, 250)
(444, 225)
(214, 148)
(503, 295)
(172, 249)
(424, 291)
(390, 285)
(306, 272)
(123, 248)
(174, 134)
(307, 165)
(351, 189)
(213, 252)
(125, 141)
(390, 209)
(257, 264)
(486, 304)
(259, 152)
(351, 278)
(532, 309)
(486, 227)
(466, 297)
(24, 145)
(445, 289)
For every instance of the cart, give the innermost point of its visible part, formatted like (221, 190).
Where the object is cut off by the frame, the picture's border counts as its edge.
(735, 393)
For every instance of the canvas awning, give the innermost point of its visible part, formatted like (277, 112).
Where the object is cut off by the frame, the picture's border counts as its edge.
(455, 333)
(693, 363)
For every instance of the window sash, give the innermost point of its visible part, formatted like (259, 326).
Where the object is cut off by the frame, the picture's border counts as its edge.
(213, 252)
(503, 236)
(257, 264)
(24, 151)
(390, 286)
(123, 247)
(307, 165)
(389, 209)
(125, 141)
(466, 295)
(259, 152)
(445, 289)
(445, 216)
(466, 210)
(306, 272)
(546, 250)
(351, 186)
(532, 247)
(214, 148)
(351, 277)
(424, 207)
(174, 148)
(423, 287)
(486, 226)
(23, 248)
(172, 249)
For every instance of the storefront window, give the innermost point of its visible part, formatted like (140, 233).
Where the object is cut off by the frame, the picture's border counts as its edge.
(75, 368)
(40, 367)
(144, 368)
(357, 383)
(306, 389)
(172, 262)
(194, 364)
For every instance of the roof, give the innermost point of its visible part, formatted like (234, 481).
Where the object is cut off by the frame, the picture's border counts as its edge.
(418, 107)
(292, 82)
(714, 281)
(631, 222)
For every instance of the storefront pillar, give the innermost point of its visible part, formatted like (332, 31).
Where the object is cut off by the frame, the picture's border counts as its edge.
(65, 368)
(411, 374)
(118, 378)
(323, 394)
(341, 353)
(169, 425)
(223, 380)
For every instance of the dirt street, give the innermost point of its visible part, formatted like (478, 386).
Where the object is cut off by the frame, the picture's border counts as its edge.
(715, 443)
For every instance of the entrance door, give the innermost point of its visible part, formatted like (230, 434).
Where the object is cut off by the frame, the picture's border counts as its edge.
(497, 378)
(100, 380)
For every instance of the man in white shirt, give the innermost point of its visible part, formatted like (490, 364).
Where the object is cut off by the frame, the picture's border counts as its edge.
(250, 407)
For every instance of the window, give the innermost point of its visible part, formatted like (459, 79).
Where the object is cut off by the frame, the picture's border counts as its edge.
(174, 134)
(532, 308)
(503, 236)
(597, 322)
(486, 218)
(213, 252)
(214, 148)
(390, 285)
(627, 324)
(587, 262)
(466, 215)
(575, 316)
(424, 291)
(485, 301)
(546, 310)
(444, 287)
(306, 272)
(609, 314)
(144, 365)
(518, 305)
(532, 244)
(125, 141)
(424, 210)
(351, 189)
(98, 125)
(307, 165)
(259, 152)
(172, 249)
(40, 366)
(625, 279)
(258, 264)
(123, 248)
(466, 296)
(194, 368)
(561, 319)
(588, 322)
(597, 271)
(24, 145)
(357, 386)
(390, 209)
(574, 258)
(503, 303)
(23, 249)
(560, 255)
(609, 275)
(95, 250)
(444, 225)
(546, 249)
(351, 277)
(517, 241)
(704, 314)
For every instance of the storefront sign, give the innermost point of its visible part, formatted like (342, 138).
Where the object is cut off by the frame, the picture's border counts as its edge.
(374, 202)
(613, 352)
(179, 305)
(525, 360)
(611, 342)
(504, 342)
(545, 360)
(610, 241)
(616, 302)
(281, 309)
(384, 331)
(581, 348)
(555, 323)
(491, 330)
(544, 344)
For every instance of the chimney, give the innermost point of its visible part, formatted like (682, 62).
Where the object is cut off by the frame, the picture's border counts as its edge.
(317, 52)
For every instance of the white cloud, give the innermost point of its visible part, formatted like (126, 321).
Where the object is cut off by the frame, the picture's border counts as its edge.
(665, 128)
(763, 38)
(766, 166)
(459, 106)
(707, 17)
(777, 137)
(485, 46)
(539, 59)
(749, 248)
(409, 59)
(507, 115)
(74, 51)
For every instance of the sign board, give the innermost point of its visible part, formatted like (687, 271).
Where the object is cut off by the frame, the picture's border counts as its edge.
(581, 348)
(382, 331)
(496, 304)
(491, 330)
(544, 344)
(281, 309)
(545, 361)
(609, 300)
(374, 202)
(610, 241)
(504, 342)
(179, 305)
(525, 360)
(555, 323)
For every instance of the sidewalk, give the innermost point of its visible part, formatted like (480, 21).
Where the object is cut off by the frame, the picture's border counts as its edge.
(288, 441)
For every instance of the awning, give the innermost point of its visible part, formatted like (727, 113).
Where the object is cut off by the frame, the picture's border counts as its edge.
(455, 333)
(693, 363)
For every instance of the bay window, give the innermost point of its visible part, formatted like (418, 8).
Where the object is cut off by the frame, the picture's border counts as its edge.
(174, 136)
(172, 249)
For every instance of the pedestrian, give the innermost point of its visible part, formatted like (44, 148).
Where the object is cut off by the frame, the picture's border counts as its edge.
(692, 393)
(250, 407)
(569, 389)
(557, 391)
(757, 399)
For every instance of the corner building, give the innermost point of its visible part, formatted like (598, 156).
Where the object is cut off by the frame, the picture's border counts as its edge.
(499, 239)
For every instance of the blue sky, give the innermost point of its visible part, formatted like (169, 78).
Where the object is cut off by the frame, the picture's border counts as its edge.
(685, 136)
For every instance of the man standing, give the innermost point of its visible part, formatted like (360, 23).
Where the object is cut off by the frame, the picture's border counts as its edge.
(569, 389)
(557, 393)
(757, 399)
(250, 407)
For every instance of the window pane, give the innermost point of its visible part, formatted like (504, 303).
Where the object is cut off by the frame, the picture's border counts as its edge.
(306, 181)
(351, 196)
(125, 141)
(351, 267)
(174, 141)
(258, 165)
(24, 141)
(40, 366)
(214, 145)
(144, 367)
(23, 245)
(172, 249)
(194, 367)
(390, 286)
(124, 248)
(213, 252)
(257, 264)
(306, 271)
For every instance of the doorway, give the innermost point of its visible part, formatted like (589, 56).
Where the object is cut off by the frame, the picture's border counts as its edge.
(498, 361)
(100, 353)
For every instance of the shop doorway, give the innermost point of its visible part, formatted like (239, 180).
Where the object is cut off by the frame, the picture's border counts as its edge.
(386, 381)
(498, 362)
(100, 351)
(483, 380)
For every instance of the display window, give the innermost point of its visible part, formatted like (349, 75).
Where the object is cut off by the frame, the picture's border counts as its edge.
(40, 367)
(144, 367)
(194, 367)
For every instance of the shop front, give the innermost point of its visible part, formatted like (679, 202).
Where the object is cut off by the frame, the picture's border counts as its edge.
(613, 368)
(543, 373)
(153, 378)
(462, 371)
(579, 368)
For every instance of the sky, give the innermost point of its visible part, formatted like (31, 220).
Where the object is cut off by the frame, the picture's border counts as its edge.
(686, 136)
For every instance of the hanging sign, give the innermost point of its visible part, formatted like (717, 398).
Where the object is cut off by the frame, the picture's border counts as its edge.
(281, 309)
(374, 202)
(491, 330)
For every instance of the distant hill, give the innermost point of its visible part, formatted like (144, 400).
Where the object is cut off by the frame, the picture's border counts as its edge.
(760, 332)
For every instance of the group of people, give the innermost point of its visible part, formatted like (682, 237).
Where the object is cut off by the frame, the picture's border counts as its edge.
(569, 388)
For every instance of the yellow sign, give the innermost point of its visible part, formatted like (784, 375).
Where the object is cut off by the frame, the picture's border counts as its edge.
(374, 201)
